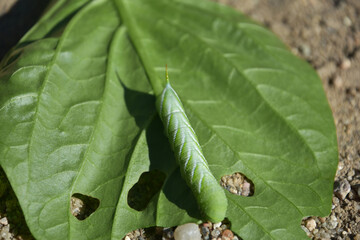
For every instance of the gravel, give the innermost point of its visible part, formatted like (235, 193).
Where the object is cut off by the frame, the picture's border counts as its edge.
(5, 233)
(238, 184)
(207, 231)
(311, 224)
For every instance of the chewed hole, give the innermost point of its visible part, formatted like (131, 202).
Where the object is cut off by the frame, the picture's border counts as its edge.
(83, 206)
(238, 184)
(148, 185)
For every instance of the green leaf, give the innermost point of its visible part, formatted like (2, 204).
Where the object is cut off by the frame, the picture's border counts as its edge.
(77, 116)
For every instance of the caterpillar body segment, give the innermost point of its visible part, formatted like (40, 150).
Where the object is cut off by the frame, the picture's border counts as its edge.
(194, 168)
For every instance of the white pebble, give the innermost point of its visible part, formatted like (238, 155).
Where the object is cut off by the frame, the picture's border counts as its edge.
(347, 21)
(189, 231)
(127, 238)
(311, 224)
(4, 221)
(332, 224)
(346, 64)
(306, 230)
(217, 225)
(5, 233)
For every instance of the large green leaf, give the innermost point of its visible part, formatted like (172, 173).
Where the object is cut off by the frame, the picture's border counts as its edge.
(77, 115)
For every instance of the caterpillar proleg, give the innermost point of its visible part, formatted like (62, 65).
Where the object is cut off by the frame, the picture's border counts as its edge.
(194, 168)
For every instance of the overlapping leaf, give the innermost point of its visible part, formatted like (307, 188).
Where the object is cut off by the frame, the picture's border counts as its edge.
(77, 115)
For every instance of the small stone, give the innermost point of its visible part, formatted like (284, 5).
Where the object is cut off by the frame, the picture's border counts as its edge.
(233, 190)
(347, 21)
(208, 225)
(357, 207)
(136, 233)
(335, 201)
(351, 173)
(246, 189)
(311, 224)
(308, 233)
(305, 50)
(352, 195)
(325, 236)
(332, 224)
(235, 238)
(345, 64)
(215, 233)
(342, 189)
(204, 231)
(5, 233)
(127, 238)
(4, 221)
(187, 231)
(224, 226)
(230, 182)
(76, 206)
(227, 234)
(340, 166)
(217, 225)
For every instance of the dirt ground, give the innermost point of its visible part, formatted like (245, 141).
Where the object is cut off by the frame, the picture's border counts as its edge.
(327, 34)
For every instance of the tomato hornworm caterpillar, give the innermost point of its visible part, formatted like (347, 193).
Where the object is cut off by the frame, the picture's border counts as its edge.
(193, 166)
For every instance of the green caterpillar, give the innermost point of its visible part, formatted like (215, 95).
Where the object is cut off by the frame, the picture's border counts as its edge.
(194, 168)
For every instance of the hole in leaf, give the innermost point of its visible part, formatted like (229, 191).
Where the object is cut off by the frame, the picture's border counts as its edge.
(83, 206)
(238, 184)
(148, 185)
